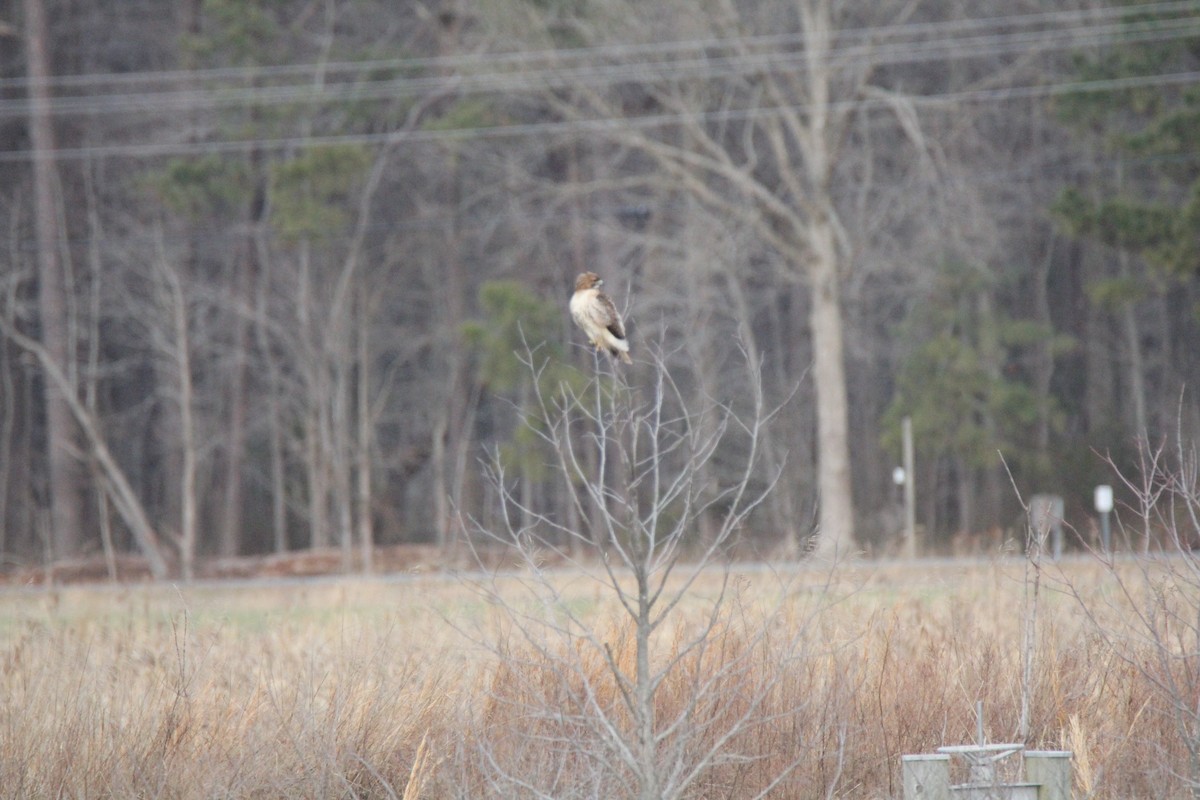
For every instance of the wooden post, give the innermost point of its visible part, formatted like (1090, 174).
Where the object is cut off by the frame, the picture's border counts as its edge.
(926, 777)
(1051, 770)
(910, 490)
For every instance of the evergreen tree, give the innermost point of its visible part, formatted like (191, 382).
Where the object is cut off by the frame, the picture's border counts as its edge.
(1140, 211)
(519, 358)
(968, 388)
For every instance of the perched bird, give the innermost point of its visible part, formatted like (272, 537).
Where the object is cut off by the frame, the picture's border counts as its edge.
(594, 312)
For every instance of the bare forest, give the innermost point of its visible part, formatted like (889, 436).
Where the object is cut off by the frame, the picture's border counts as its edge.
(293, 275)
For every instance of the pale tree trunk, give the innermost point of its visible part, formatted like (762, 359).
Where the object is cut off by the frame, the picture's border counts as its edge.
(8, 417)
(231, 513)
(364, 421)
(315, 388)
(965, 475)
(90, 389)
(836, 513)
(318, 483)
(1135, 369)
(332, 409)
(985, 497)
(178, 349)
(336, 407)
(455, 290)
(1135, 365)
(279, 521)
(441, 493)
(65, 495)
(817, 139)
(341, 448)
(1043, 373)
(645, 687)
(527, 484)
(454, 426)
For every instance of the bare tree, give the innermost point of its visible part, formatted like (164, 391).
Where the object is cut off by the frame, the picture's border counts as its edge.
(65, 496)
(173, 342)
(652, 705)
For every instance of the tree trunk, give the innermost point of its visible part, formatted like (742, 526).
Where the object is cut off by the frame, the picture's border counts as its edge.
(836, 514)
(65, 495)
(1043, 371)
(983, 504)
(818, 143)
(366, 528)
(454, 426)
(181, 344)
(8, 455)
(241, 296)
(965, 476)
(275, 421)
(647, 739)
(1135, 363)
(441, 491)
(318, 481)
(342, 455)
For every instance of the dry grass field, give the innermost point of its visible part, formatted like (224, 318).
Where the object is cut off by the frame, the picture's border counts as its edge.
(417, 688)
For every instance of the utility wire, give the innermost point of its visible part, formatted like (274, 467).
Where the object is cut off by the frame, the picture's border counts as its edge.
(744, 64)
(740, 65)
(623, 51)
(593, 125)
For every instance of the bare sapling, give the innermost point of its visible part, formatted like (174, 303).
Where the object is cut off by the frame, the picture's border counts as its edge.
(639, 668)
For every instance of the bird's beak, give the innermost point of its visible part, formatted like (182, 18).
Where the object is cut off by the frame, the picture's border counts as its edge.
(600, 282)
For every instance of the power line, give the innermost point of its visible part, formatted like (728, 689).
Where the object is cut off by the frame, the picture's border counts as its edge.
(740, 64)
(708, 68)
(593, 125)
(621, 51)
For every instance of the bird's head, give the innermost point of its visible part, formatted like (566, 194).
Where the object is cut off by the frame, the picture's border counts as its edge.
(587, 280)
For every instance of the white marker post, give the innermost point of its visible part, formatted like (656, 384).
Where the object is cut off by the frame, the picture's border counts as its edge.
(1104, 504)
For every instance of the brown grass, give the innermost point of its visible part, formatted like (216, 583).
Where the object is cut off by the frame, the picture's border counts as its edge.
(365, 689)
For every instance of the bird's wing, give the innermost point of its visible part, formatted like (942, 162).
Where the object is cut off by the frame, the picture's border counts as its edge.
(607, 316)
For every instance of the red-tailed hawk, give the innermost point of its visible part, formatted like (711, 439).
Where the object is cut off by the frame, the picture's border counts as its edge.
(594, 312)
